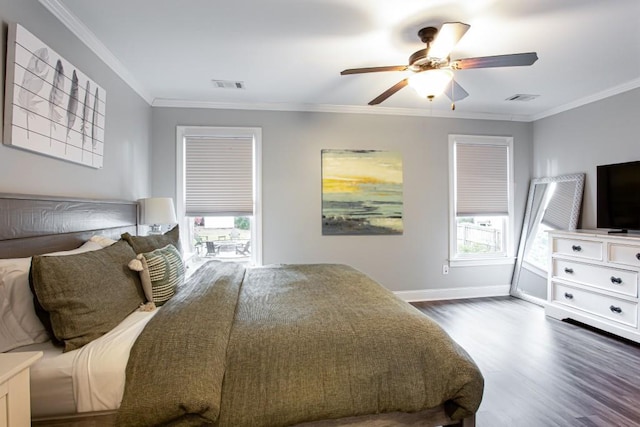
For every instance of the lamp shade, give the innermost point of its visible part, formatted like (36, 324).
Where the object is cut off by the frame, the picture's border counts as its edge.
(157, 211)
(430, 83)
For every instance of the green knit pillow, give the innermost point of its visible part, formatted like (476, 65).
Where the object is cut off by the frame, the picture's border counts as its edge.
(161, 273)
(149, 243)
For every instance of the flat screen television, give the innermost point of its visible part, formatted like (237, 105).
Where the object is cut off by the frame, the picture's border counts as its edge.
(618, 196)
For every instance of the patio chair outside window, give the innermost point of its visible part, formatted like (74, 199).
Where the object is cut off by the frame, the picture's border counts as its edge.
(212, 249)
(243, 248)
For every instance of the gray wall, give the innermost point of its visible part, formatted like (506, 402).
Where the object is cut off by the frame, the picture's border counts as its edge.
(603, 132)
(291, 182)
(126, 172)
(574, 141)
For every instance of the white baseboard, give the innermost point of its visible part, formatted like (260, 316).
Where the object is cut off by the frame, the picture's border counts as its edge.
(453, 293)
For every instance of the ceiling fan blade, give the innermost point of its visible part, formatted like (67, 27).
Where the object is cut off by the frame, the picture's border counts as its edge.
(387, 93)
(455, 92)
(513, 60)
(448, 36)
(373, 69)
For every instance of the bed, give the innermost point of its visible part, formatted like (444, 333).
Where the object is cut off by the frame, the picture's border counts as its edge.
(309, 345)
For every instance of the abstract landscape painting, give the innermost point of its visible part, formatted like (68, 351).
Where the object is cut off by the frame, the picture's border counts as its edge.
(361, 192)
(50, 106)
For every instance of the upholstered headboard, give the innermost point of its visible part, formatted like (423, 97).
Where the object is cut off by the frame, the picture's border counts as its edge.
(32, 225)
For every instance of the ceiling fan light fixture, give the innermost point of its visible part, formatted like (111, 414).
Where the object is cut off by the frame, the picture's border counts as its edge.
(431, 83)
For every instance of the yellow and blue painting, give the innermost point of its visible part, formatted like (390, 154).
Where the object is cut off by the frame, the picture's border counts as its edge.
(361, 192)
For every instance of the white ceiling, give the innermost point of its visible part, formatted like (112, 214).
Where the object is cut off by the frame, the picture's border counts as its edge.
(289, 53)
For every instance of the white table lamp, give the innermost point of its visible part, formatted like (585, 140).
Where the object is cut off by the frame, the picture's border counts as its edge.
(157, 211)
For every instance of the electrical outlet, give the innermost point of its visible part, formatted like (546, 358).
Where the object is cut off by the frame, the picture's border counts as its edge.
(445, 269)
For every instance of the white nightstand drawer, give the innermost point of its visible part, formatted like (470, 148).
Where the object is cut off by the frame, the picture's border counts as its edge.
(624, 254)
(620, 311)
(3, 410)
(611, 279)
(578, 248)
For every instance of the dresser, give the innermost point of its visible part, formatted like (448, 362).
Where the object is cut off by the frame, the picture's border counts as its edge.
(593, 278)
(15, 406)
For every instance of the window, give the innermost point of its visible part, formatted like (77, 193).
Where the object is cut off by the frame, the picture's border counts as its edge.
(481, 199)
(218, 192)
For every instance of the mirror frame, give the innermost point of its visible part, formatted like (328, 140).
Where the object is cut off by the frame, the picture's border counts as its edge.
(579, 179)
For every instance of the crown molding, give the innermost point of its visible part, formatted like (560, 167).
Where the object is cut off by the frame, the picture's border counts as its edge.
(616, 90)
(327, 108)
(68, 19)
(86, 36)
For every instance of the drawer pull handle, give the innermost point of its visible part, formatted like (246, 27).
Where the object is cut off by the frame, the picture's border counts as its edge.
(638, 256)
(615, 309)
(567, 295)
(568, 270)
(576, 248)
(616, 280)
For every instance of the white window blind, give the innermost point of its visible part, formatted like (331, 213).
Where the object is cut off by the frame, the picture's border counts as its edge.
(482, 179)
(218, 176)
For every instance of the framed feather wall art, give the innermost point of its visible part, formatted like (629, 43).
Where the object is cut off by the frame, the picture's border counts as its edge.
(51, 107)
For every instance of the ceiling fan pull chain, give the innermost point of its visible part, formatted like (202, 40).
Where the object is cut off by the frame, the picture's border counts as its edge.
(453, 87)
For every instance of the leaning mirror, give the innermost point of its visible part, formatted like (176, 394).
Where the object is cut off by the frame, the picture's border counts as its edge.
(554, 203)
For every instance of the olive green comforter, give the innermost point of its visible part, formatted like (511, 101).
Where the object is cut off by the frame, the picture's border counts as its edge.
(282, 345)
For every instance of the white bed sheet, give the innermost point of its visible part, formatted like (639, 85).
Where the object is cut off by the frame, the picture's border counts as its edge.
(99, 367)
(88, 379)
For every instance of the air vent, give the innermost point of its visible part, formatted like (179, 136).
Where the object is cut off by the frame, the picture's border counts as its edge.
(521, 97)
(227, 84)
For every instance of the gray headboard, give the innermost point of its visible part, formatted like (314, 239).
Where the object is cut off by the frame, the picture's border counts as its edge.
(32, 225)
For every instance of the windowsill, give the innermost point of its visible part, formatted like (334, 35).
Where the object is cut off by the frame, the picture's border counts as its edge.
(475, 262)
(191, 262)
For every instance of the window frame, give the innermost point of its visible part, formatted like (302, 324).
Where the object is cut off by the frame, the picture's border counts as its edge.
(255, 133)
(507, 256)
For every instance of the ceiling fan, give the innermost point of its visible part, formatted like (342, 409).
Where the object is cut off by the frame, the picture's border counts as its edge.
(433, 67)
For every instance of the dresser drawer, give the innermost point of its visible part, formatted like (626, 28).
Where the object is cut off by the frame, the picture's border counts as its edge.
(612, 279)
(619, 311)
(624, 254)
(579, 248)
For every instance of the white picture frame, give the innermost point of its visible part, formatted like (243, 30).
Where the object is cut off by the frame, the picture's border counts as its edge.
(51, 107)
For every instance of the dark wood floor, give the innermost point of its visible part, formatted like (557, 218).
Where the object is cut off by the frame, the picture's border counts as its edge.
(541, 372)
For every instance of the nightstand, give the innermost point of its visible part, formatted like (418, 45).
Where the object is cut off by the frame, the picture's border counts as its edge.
(15, 401)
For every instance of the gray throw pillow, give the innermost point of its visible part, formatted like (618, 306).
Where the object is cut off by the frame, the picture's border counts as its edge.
(87, 294)
(142, 244)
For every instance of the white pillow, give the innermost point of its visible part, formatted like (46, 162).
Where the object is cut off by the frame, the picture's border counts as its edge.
(20, 324)
(102, 241)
